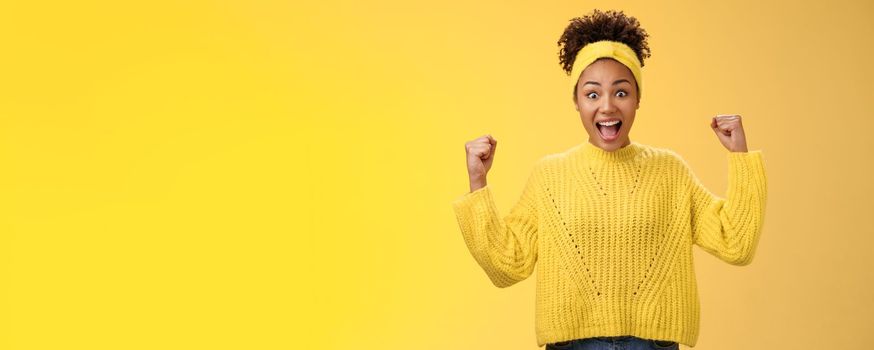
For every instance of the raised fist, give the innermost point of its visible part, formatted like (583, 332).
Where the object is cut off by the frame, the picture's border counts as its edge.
(480, 154)
(730, 131)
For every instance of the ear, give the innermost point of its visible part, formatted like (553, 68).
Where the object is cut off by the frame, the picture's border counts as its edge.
(574, 99)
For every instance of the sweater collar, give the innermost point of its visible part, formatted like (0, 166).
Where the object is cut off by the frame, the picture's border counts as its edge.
(592, 152)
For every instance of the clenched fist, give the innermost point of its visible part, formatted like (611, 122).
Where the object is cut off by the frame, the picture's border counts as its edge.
(480, 154)
(730, 131)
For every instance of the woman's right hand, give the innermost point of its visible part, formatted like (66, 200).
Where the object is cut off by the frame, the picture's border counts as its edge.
(480, 154)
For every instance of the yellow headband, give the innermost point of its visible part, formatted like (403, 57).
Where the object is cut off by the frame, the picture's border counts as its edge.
(606, 48)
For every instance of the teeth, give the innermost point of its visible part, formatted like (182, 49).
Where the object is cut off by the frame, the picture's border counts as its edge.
(608, 123)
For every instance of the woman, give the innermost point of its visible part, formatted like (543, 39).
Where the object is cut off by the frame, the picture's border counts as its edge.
(609, 224)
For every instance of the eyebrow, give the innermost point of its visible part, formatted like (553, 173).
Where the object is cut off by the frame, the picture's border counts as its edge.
(614, 83)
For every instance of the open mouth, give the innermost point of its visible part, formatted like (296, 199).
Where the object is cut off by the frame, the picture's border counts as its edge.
(610, 131)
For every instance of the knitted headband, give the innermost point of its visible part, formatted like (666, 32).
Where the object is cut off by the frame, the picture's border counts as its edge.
(606, 48)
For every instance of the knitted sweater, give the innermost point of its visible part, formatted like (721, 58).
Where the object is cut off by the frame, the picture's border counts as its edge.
(611, 236)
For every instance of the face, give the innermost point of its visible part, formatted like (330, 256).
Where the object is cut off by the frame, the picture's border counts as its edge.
(606, 92)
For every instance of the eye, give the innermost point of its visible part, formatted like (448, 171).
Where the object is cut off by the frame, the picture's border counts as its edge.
(590, 94)
(623, 92)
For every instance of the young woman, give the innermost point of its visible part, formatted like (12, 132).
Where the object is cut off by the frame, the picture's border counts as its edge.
(609, 224)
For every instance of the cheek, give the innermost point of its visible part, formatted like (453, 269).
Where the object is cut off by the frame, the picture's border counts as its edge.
(587, 111)
(587, 116)
(630, 106)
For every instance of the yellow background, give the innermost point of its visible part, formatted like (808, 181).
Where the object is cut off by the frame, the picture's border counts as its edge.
(278, 175)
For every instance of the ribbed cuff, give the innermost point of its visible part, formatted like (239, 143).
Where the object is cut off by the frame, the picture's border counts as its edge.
(746, 165)
(473, 204)
(747, 187)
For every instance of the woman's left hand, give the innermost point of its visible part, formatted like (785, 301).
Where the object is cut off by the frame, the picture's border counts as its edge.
(730, 131)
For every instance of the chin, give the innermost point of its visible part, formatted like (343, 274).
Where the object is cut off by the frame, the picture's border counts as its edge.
(608, 145)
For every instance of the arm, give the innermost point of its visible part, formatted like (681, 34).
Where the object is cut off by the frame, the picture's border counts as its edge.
(506, 248)
(729, 228)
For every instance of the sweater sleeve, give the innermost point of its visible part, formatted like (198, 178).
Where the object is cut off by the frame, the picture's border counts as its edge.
(505, 247)
(729, 228)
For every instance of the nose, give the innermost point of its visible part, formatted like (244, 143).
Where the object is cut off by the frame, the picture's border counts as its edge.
(608, 105)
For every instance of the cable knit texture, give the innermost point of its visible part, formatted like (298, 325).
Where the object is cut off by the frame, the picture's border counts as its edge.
(610, 235)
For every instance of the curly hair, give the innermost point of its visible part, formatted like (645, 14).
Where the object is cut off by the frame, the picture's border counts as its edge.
(601, 25)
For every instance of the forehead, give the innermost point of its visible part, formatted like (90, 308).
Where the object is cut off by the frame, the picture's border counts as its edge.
(606, 69)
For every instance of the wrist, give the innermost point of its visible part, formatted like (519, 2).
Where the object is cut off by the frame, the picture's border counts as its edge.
(477, 183)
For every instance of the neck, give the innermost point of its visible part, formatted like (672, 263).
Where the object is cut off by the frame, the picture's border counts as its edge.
(624, 153)
(594, 141)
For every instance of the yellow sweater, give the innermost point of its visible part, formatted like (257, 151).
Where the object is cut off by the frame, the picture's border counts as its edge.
(611, 236)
